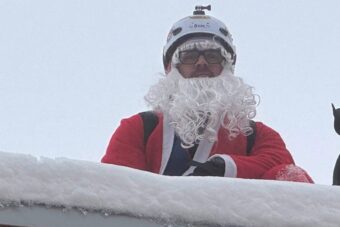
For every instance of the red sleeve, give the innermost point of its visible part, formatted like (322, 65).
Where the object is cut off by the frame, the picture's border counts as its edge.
(126, 146)
(268, 151)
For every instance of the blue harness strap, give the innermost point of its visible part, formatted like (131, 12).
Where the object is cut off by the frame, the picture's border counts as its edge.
(150, 121)
(251, 138)
(179, 160)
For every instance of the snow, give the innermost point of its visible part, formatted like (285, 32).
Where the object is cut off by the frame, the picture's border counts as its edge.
(25, 179)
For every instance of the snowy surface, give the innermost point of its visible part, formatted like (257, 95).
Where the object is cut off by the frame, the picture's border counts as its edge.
(95, 186)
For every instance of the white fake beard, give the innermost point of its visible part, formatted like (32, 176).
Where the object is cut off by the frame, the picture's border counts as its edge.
(198, 106)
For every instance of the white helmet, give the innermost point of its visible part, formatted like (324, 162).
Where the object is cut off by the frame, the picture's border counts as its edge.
(197, 25)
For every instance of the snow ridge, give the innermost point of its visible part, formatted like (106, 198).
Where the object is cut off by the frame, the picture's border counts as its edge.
(25, 179)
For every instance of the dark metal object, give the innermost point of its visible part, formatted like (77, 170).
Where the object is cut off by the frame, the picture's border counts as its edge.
(336, 114)
(336, 171)
(199, 10)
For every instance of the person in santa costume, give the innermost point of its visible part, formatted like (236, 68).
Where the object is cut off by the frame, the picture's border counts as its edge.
(201, 119)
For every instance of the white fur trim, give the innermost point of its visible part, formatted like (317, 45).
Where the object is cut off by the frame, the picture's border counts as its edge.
(168, 141)
(230, 165)
(201, 154)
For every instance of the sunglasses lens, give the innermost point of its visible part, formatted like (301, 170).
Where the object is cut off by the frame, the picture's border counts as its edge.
(190, 57)
(213, 56)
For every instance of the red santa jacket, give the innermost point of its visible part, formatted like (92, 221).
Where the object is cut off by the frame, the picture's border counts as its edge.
(127, 148)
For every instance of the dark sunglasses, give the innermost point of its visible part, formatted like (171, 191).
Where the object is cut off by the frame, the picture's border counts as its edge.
(190, 57)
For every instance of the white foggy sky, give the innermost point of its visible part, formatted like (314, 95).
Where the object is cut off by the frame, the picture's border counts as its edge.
(70, 70)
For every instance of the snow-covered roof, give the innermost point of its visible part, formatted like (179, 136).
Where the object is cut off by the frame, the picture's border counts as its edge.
(94, 187)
